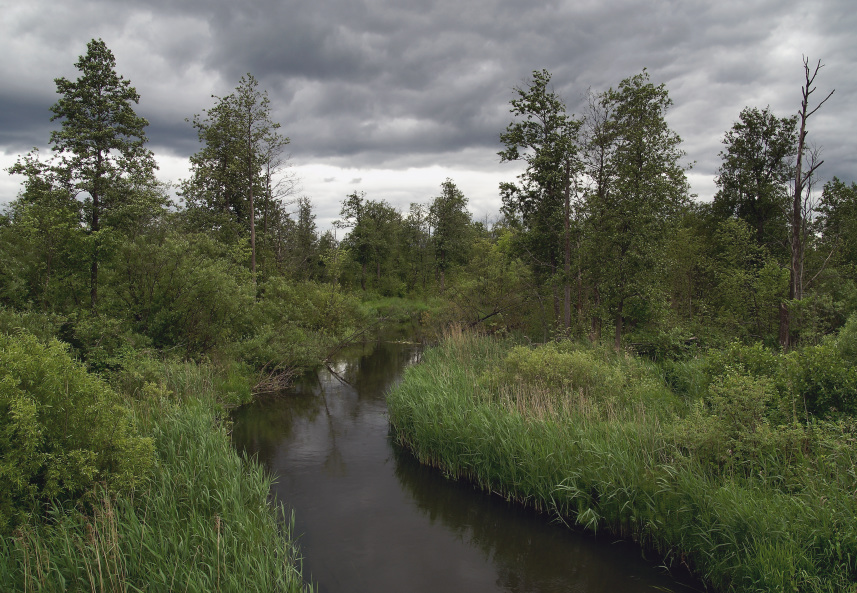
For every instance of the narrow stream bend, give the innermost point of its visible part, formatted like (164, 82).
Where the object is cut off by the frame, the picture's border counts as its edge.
(372, 519)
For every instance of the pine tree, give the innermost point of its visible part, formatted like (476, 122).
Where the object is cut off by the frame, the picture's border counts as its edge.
(101, 144)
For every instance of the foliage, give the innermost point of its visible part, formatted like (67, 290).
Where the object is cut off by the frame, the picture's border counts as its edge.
(731, 428)
(102, 145)
(757, 166)
(645, 188)
(495, 290)
(42, 326)
(374, 233)
(233, 175)
(451, 221)
(544, 136)
(184, 290)
(558, 366)
(201, 523)
(724, 490)
(294, 325)
(822, 381)
(62, 430)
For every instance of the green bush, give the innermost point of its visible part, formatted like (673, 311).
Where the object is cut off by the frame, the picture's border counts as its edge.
(559, 366)
(42, 325)
(846, 340)
(101, 341)
(183, 290)
(315, 307)
(202, 523)
(731, 428)
(755, 359)
(61, 430)
(143, 377)
(822, 382)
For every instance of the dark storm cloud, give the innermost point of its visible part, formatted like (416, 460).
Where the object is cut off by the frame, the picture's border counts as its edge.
(399, 84)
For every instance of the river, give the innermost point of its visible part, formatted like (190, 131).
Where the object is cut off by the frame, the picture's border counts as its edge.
(371, 518)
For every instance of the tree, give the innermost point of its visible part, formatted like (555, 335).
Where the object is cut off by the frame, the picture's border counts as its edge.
(451, 221)
(101, 143)
(374, 231)
(416, 245)
(242, 153)
(837, 219)
(303, 243)
(546, 138)
(598, 143)
(47, 222)
(802, 182)
(644, 187)
(756, 169)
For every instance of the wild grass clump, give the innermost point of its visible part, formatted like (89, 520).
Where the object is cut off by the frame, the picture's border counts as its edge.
(202, 523)
(715, 482)
(130, 488)
(144, 379)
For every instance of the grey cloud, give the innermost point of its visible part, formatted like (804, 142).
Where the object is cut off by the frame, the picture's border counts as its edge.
(403, 83)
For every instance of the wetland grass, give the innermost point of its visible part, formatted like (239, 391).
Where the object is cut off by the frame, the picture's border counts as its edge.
(609, 459)
(202, 523)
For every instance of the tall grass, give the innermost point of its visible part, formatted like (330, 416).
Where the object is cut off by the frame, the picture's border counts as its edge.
(611, 461)
(203, 522)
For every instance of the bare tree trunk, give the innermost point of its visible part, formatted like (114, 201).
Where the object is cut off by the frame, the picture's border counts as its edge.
(595, 330)
(250, 192)
(567, 249)
(796, 243)
(95, 227)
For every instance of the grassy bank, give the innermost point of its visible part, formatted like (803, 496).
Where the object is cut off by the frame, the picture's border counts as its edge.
(200, 519)
(600, 440)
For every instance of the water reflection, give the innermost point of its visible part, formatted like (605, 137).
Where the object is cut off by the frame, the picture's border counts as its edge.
(374, 519)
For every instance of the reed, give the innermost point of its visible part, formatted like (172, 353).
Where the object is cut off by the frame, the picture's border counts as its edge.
(203, 523)
(612, 462)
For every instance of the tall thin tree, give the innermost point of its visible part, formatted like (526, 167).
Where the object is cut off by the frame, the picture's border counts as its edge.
(801, 183)
(101, 140)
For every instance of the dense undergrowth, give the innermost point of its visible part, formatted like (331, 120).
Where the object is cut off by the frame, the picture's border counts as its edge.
(164, 504)
(719, 463)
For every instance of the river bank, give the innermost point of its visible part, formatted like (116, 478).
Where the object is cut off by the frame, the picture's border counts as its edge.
(601, 441)
(371, 518)
(198, 519)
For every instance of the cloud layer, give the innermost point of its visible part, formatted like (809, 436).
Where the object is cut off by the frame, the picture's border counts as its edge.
(364, 87)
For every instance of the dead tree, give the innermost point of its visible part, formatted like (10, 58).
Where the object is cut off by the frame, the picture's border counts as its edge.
(802, 182)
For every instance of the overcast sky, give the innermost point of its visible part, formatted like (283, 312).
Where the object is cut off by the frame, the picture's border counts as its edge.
(391, 97)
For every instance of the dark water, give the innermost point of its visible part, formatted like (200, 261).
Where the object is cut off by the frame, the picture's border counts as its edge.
(371, 518)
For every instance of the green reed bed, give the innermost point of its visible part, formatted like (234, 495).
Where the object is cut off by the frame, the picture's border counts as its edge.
(606, 450)
(201, 521)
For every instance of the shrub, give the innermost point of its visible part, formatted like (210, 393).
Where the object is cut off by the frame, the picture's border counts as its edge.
(560, 367)
(61, 430)
(846, 340)
(822, 382)
(43, 325)
(731, 428)
(755, 359)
